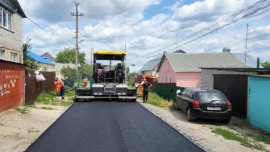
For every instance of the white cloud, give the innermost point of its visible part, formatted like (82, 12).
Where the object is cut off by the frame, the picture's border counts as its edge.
(119, 21)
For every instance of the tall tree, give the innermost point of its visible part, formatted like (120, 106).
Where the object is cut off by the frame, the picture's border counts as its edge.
(266, 64)
(68, 56)
(30, 64)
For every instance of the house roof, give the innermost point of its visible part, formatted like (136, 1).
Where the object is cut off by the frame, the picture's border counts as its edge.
(38, 58)
(184, 62)
(151, 65)
(250, 62)
(15, 5)
(48, 56)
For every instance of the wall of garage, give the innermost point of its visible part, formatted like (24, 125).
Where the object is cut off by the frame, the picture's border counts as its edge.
(11, 85)
(259, 102)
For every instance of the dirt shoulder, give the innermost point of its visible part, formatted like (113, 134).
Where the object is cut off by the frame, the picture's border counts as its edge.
(21, 126)
(201, 131)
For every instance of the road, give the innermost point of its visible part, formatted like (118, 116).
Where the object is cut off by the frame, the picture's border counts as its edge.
(110, 127)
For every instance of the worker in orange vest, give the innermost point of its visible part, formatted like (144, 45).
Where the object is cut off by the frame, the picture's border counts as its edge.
(56, 85)
(62, 88)
(85, 81)
(141, 87)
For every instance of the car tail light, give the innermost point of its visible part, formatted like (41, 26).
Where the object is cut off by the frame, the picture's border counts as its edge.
(196, 104)
(229, 105)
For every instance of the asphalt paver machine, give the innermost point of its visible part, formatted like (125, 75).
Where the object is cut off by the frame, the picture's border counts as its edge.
(109, 79)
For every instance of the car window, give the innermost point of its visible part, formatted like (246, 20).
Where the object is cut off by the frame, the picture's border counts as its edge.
(210, 96)
(183, 93)
(188, 94)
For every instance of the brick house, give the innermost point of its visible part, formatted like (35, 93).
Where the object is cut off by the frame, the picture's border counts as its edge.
(11, 15)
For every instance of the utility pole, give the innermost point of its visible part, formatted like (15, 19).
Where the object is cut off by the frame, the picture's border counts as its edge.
(77, 14)
(91, 55)
(246, 45)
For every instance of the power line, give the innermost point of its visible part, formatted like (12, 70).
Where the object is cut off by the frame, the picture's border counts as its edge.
(36, 24)
(175, 44)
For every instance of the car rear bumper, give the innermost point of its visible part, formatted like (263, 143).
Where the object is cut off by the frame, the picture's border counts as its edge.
(198, 113)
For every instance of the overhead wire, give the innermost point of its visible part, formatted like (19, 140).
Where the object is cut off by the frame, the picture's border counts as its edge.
(175, 44)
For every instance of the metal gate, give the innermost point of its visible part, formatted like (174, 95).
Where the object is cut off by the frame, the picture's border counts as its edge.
(235, 88)
(259, 102)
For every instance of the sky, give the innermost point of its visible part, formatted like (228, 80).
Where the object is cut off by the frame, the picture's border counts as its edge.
(148, 27)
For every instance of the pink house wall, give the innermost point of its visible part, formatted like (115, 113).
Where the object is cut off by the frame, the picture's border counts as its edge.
(166, 74)
(188, 79)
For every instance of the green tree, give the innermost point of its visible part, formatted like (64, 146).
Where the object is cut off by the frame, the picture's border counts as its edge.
(85, 70)
(69, 56)
(70, 75)
(127, 70)
(30, 64)
(266, 65)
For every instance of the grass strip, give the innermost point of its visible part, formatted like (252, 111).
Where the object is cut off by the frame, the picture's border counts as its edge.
(158, 101)
(243, 139)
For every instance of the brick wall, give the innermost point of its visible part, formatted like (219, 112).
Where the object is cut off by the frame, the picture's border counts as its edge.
(207, 79)
(11, 40)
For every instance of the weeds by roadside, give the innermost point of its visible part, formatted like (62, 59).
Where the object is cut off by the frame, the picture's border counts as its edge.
(49, 98)
(47, 108)
(32, 130)
(158, 101)
(24, 109)
(243, 139)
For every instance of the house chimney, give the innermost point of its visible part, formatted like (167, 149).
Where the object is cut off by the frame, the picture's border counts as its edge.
(226, 50)
(258, 62)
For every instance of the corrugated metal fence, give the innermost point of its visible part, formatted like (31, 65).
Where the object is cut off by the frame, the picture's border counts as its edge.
(167, 91)
(34, 88)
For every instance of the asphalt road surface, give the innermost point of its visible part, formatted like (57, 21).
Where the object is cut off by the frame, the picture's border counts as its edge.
(110, 127)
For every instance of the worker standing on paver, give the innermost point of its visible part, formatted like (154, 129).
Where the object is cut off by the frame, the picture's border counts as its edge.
(85, 81)
(146, 87)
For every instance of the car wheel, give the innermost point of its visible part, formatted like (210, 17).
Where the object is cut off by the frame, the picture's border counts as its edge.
(226, 121)
(189, 115)
(175, 105)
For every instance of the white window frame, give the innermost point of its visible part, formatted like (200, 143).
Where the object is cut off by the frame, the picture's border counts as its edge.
(1, 19)
(8, 18)
(2, 54)
(13, 58)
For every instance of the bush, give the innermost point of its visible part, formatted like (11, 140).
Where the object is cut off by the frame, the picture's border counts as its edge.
(70, 76)
(46, 97)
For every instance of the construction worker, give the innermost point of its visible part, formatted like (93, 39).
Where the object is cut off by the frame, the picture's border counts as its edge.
(56, 86)
(62, 88)
(146, 87)
(85, 81)
(141, 87)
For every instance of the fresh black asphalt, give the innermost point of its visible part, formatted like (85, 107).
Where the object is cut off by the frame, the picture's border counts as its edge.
(110, 127)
